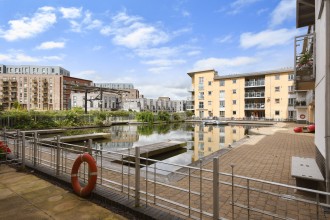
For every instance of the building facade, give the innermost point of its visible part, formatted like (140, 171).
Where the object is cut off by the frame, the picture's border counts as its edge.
(32, 92)
(33, 69)
(119, 86)
(154, 105)
(259, 95)
(108, 101)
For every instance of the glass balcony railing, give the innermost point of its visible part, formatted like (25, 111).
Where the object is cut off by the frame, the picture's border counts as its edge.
(255, 95)
(304, 62)
(255, 83)
(255, 106)
(300, 103)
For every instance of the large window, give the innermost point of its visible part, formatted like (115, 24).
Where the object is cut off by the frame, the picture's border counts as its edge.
(292, 101)
(201, 80)
(222, 82)
(222, 113)
(222, 94)
(277, 89)
(234, 91)
(222, 104)
(201, 105)
(277, 77)
(291, 77)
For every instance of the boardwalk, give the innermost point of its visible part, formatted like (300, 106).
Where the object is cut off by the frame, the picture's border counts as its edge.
(151, 150)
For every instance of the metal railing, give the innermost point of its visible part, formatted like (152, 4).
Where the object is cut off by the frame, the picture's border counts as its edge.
(255, 83)
(255, 95)
(255, 106)
(196, 192)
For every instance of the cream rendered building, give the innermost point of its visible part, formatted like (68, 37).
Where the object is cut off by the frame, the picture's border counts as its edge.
(261, 95)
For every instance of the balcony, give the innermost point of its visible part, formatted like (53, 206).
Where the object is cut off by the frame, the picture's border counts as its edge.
(255, 83)
(254, 95)
(255, 106)
(304, 62)
(300, 104)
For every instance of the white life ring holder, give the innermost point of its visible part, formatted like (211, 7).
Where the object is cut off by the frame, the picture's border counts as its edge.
(302, 116)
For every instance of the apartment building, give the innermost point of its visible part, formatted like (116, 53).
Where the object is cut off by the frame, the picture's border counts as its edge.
(33, 69)
(32, 92)
(119, 86)
(256, 95)
(155, 105)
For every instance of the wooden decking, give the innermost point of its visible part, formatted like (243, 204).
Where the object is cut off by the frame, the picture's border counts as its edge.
(81, 137)
(150, 150)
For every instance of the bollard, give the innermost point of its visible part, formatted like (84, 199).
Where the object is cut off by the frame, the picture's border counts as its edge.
(215, 188)
(35, 148)
(23, 150)
(137, 176)
(58, 153)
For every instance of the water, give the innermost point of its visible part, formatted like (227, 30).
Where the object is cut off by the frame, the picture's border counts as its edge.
(201, 140)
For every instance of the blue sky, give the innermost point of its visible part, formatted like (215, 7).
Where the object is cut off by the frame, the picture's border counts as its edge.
(152, 44)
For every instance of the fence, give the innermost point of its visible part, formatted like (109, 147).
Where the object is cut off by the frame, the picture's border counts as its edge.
(196, 192)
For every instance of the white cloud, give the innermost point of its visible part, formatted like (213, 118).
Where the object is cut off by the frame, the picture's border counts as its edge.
(261, 11)
(225, 39)
(193, 53)
(96, 48)
(18, 57)
(50, 45)
(164, 62)
(221, 63)
(71, 13)
(268, 38)
(53, 58)
(185, 13)
(131, 32)
(161, 52)
(237, 5)
(91, 23)
(89, 74)
(285, 10)
(158, 70)
(27, 27)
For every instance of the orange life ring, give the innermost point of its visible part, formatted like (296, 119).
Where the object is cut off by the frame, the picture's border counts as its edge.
(92, 178)
(302, 116)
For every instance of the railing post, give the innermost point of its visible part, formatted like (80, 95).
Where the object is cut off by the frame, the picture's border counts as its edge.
(23, 150)
(58, 153)
(89, 146)
(35, 148)
(17, 142)
(200, 189)
(4, 135)
(232, 191)
(137, 176)
(216, 188)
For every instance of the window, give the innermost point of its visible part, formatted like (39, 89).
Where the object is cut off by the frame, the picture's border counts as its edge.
(201, 80)
(277, 77)
(277, 113)
(74, 97)
(291, 77)
(234, 112)
(291, 88)
(234, 81)
(277, 101)
(201, 105)
(222, 94)
(234, 91)
(292, 101)
(222, 113)
(234, 102)
(209, 92)
(222, 139)
(201, 136)
(201, 95)
(222, 82)
(222, 104)
(210, 83)
(277, 89)
(209, 102)
(234, 131)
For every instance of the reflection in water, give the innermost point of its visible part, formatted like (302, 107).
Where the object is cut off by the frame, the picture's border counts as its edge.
(201, 140)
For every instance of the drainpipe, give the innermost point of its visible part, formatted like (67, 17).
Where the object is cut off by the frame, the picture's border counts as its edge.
(327, 96)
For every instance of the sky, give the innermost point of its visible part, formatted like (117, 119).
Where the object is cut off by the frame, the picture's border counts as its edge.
(152, 44)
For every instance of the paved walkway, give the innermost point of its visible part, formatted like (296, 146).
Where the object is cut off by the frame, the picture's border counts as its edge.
(25, 196)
